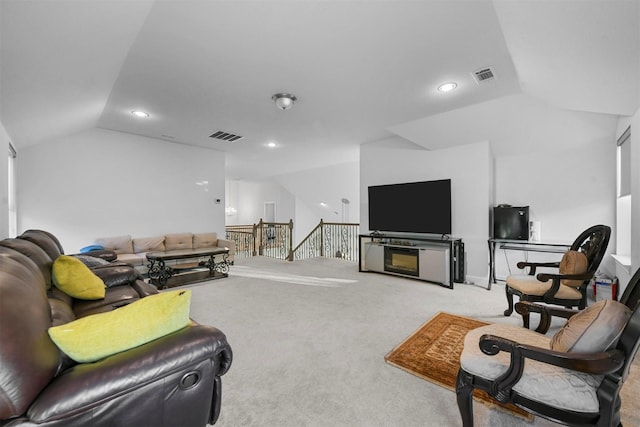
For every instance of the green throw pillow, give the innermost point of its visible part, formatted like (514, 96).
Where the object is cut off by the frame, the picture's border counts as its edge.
(74, 278)
(100, 335)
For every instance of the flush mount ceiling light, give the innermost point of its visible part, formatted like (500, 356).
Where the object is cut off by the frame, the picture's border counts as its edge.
(284, 101)
(139, 113)
(447, 87)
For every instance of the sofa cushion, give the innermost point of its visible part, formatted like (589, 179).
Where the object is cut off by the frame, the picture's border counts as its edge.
(178, 241)
(573, 262)
(115, 297)
(71, 276)
(96, 337)
(148, 244)
(118, 244)
(205, 240)
(91, 261)
(61, 312)
(594, 329)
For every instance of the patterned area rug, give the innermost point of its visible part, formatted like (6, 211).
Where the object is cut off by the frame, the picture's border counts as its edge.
(433, 353)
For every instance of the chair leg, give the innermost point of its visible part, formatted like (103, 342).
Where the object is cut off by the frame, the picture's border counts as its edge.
(464, 395)
(610, 403)
(509, 309)
(545, 323)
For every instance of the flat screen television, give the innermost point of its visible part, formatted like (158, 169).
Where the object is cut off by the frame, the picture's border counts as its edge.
(412, 207)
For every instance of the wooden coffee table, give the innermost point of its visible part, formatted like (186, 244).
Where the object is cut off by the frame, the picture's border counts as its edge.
(191, 271)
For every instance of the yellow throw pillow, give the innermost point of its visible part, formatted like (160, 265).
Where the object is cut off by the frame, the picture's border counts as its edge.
(74, 278)
(100, 335)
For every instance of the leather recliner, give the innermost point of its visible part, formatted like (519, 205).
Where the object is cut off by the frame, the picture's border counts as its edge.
(171, 381)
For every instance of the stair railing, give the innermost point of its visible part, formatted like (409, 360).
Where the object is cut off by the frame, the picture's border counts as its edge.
(329, 239)
(275, 240)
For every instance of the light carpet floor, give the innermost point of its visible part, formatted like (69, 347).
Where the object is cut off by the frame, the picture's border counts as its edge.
(309, 340)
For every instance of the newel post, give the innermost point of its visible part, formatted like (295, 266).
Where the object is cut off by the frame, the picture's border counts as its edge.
(259, 227)
(290, 256)
(321, 237)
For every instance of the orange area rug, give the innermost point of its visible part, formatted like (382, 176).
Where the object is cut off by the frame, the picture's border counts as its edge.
(433, 354)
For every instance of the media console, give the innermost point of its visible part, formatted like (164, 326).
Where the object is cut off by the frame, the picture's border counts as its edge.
(432, 259)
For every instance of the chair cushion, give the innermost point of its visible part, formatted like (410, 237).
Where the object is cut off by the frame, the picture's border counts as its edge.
(571, 389)
(71, 276)
(573, 262)
(100, 335)
(529, 285)
(594, 329)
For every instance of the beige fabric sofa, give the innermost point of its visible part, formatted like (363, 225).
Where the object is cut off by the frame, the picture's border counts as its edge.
(134, 250)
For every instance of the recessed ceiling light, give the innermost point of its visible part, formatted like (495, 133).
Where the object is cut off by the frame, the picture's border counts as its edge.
(323, 204)
(139, 113)
(272, 144)
(446, 87)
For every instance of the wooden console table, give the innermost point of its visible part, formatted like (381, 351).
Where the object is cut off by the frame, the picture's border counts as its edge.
(520, 245)
(165, 276)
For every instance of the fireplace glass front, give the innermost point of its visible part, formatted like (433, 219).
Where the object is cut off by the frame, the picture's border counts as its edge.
(401, 260)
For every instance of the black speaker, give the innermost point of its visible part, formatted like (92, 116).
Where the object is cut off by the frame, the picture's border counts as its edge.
(459, 263)
(511, 222)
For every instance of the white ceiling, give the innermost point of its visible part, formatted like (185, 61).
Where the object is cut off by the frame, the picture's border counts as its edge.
(362, 71)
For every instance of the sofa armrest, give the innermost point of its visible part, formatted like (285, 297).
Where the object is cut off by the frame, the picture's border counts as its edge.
(117, 275)
(143, 288)
(174, 380)
(223, 243)
(105, 254)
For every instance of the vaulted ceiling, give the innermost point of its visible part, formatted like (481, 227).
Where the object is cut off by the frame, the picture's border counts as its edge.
(362, 71)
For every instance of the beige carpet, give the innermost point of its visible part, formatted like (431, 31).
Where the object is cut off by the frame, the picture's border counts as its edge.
(433, 353)
(309, 339)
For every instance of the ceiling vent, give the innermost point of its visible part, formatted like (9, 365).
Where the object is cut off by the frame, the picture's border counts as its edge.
(225, 136)
(483, 75)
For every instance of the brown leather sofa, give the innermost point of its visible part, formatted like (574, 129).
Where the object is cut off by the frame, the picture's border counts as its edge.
(171, 381)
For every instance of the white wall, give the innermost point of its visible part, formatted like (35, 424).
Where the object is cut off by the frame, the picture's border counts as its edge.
(328, 185)
(468, 167)
(298, 196)
(566, 190)
(632, 215)
(102, 183)
(248, 198)
(4, 184)
(635, 193)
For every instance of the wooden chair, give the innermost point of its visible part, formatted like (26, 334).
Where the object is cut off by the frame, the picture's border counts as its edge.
(567, 287)
(630, 297)
(574, 383)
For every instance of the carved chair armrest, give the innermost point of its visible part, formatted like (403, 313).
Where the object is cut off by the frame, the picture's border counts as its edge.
(546, 312)
(549, 296)
(533, 265)
(543, 277)
(526, 307)
(592, 363)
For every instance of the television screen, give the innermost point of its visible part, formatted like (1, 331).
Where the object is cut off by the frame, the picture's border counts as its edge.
(413, 207)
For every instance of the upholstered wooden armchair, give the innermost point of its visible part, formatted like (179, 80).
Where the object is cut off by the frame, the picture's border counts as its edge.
(574, 377)
(567, 287)
(630, 297)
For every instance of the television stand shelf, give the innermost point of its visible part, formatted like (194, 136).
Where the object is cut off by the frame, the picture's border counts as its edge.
(432, 259)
